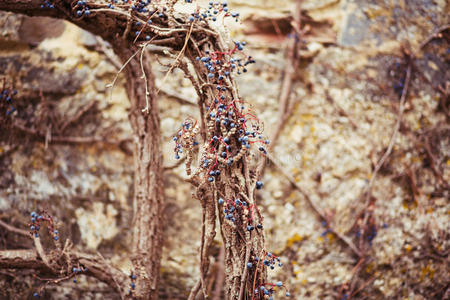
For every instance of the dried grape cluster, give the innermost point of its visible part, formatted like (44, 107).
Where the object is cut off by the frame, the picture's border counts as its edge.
(36, 223)
(214, 10)
(231, 130)
(232, 125)
(266, 290)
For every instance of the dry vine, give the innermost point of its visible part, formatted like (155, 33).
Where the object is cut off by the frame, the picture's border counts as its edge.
(224, 180)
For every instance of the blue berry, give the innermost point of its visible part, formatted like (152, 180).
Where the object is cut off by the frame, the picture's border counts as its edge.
(220, 201)
(259, 185)
(279, 284)
(249, 265)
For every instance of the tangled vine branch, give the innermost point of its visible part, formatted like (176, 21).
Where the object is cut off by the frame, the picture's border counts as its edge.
(220, 142)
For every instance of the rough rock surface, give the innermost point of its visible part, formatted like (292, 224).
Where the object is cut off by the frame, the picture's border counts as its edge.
(345, 104)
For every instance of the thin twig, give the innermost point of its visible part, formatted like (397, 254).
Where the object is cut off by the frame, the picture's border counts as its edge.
(40, 250)
(178, 97)
(111, 85)
(69, 139)
(112, 275)
(391, 144)
(144, 76)
(314, 206)
(77, 116)
(435, 34)
(195, 290)
(176, 165)
(291, 66)
(14, 229)
(177, 58)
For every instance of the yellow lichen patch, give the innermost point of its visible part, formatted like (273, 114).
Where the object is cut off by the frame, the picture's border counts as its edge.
(295, 170)
(370, 267)
(408, 248)
(294, 239)
(418, 125)
(427, 271)
(416, 159)
(409, 205)
(307, 117)
(378, 12)
(331, 238)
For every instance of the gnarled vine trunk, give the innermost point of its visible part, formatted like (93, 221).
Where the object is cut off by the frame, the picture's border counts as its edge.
(148, 176)
(236, 181)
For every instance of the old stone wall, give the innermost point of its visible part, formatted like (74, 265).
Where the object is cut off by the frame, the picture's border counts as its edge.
(67, 148)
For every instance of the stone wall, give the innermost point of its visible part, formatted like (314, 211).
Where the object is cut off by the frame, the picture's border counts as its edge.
(66, 149)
